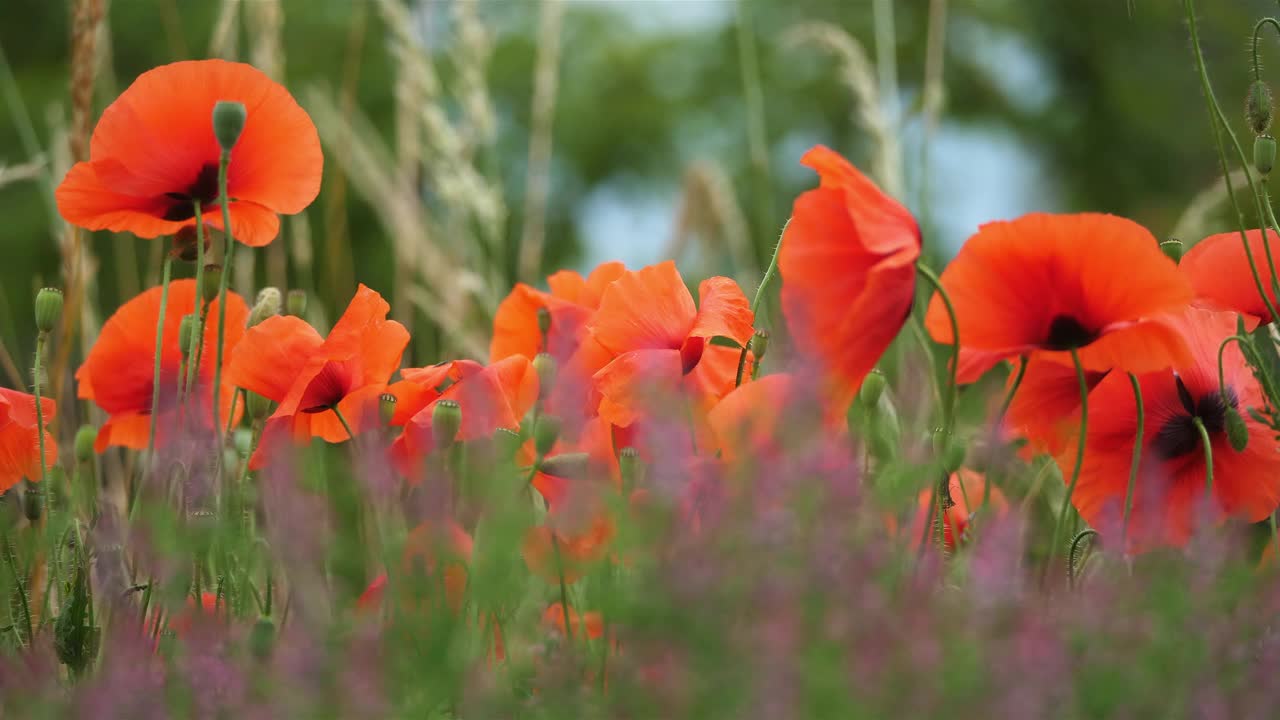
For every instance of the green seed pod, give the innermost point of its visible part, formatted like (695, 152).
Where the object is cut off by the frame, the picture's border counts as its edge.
(386, 407)
(266, 305)
(212, 281)
(33, 503)
(872, 386)
(544, 321)
(48, 308)
(1172, 248)
(545, 366)
(506, 443)
(571, 466)
(297, 302)
(86, 439)
(228, 123)
(262, 638)
(1264, 153)
(760, 344)
(258, 406)
(446, 420)
(1257, 107)
(546, 431)
(187, 334)
(631, 467)
(1237, 431)
(949, 450)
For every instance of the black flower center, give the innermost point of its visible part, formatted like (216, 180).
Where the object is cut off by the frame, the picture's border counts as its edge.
(1066, 333)
(1178, 436)
(204, 189)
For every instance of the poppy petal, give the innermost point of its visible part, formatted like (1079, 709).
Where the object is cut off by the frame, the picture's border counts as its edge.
(1218, 270)
(271, 355)
(648, 308)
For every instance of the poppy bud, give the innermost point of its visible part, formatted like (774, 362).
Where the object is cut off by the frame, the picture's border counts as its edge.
(259, 407)
(48, 308)
(949, 449)
(544, 321)
(262, 638)
(1172, 248)
(546, 431)
(33, 503)
(212, 281)
(1257, 107)
(228, 123)
(545, 366)
(446, 420)
(1264, 153)
(872, 387)
(506, 443)
(86, 438)
(387, 407)
(297, 302)
(186, 334)
(572, 466)
(1237, 431)
(630, 466)
(760, 344)
(266, 305)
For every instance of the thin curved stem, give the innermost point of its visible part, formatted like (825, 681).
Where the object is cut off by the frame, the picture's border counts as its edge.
(949, 403)
(1017, 383)
(1257, 37)
(1137, 457)
(1208, 453)
(20, 583)
(228, 253)
(1075, 472)
(1071, 556)
(345, 426)
(759, 297)
(1266, 244)
(155, 375)
(194, 361)
(38, 370)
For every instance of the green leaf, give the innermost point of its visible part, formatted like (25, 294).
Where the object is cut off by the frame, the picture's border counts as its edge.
(723, 341)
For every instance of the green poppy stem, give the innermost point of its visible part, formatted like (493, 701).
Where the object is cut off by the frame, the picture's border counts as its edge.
(1137, 457)
(1075, 472)
(228, 252)
(949, 403)
(1208, 453)
(194, 362)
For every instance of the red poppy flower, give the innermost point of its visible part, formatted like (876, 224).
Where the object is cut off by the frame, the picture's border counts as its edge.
(118, 374)
(428, 547)
(153, 154)
(1046, 407)
(19, 441)
(658, 341)
(1171, 479)
(747, 420)
(596, 442)
(569, 304)
(848, 272)
(1050, 283)
(553, 618)
(575, 535)
(1218, 271)
(285, 360)
(493, 397)
(967, 489)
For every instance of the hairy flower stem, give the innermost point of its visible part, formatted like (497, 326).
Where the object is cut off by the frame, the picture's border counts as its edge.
(20, 583)
(760, 295)
(228, 252)
(1075, 472)
(1013, 390)
(1137, 457)
(193, 365)
(1208, 453)
(38, 371)
(1220, 126)
(564, 590)
(949, 403)
(167, 273)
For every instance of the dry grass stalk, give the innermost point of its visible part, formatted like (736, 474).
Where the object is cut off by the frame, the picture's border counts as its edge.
(709, 210)
(1194, 222)
(264, 20)
(546, 78)
(222, 44)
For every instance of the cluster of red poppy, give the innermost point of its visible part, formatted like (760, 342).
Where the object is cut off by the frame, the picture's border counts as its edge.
(585, 373)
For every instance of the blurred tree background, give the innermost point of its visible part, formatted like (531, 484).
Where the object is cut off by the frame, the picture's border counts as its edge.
(1076, 105)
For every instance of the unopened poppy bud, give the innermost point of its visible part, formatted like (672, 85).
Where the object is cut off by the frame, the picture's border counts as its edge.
(545, 366)
(1237, 431)
(86, 438)
(544, 321)
(212, 281)
(872, 387)
(266, 305)
(33, 503)
(1257, 107)
(186, 334)
(1172, 248)
(949, 450)
(506, 443)
(262, 638)
(258, 406)
(572, 466)
(297, 306)
(228, 123)
(1264, 153)
(446, 420)
(386, 407)
(48, 308)
(630, 466)
(546, 431)
(760, 344)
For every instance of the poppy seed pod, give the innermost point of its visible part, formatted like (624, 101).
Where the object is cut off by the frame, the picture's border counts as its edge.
(1237, 431)
(48, 308)
(630, 466)
(572, 466)
(387, 407)
(1172, 248)
(86, 437)
(446, 420)
(506, 443)
(259, 407)
(545, 366)
(760, 344)
(228, 123)
(949, 449)
(186, 334)
(1257, 107)
(1264, 153)
(33, 503)
(872, 388)
(546, 431)
(262, 638)
(267, 305)
(212, 281)
(297, 302)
